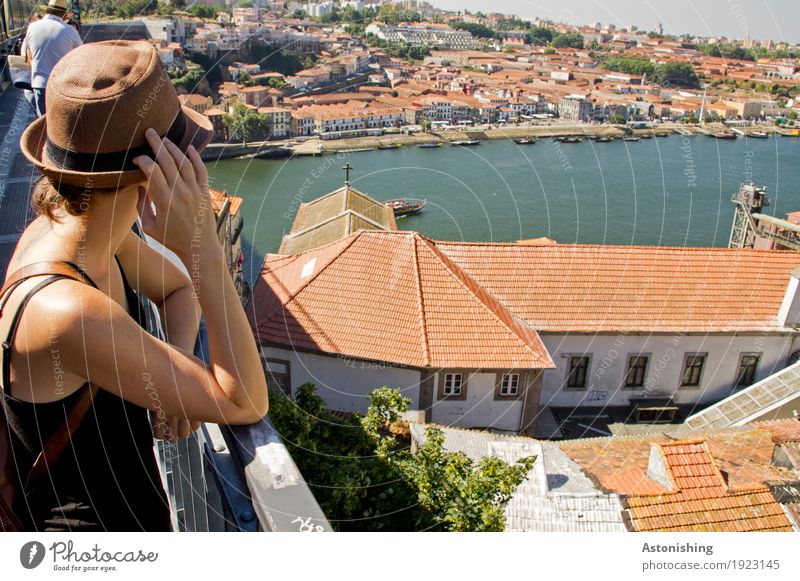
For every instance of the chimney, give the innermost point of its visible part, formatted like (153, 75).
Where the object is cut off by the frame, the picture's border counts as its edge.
(657, 468)
(789, 313)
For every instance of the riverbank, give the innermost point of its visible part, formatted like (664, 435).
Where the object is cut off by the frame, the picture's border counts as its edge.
(317, 146)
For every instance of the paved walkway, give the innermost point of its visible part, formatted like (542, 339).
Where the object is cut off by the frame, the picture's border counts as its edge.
(16, 174)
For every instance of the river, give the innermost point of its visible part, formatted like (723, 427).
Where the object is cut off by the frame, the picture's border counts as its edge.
(669, 191)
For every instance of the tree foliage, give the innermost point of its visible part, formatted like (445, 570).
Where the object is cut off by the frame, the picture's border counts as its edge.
(475, 29)
(568, 40)
(246, 123)
(207, 11)
(365, 477)
(670, 73)
(272, 58)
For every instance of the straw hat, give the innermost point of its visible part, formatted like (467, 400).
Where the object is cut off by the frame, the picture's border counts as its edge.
(60, 5)
(101, 98)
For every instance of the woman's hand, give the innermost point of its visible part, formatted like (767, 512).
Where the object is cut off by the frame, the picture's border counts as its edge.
(177, 184)
(172, 428)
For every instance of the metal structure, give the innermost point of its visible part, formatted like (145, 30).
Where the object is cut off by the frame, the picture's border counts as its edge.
(749, 199)
(751, 228)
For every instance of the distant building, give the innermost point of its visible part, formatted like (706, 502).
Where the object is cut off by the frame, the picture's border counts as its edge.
(575, 108)
(424, 34)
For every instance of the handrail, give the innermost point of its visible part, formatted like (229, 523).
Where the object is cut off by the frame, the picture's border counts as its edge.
(233, 478)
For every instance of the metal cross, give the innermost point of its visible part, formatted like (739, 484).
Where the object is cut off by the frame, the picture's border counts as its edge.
(347, 167)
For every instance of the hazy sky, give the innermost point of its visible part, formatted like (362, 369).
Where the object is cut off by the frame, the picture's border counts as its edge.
(775, 19)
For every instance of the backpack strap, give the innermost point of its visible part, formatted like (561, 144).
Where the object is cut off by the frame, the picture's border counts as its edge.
(62, 435)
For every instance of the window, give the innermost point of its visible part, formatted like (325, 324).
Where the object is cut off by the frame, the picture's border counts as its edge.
(693, 369)
(509, 385)
(637, 370)
(453, 385)
(578, 369)
(748, 364)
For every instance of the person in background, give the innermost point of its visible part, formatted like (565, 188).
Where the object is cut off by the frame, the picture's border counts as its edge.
(46, 43)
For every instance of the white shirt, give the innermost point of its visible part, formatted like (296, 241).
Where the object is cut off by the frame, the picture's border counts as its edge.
(48, 39)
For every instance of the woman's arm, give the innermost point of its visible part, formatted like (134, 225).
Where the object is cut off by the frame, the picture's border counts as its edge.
(155, 277)
(104, 345)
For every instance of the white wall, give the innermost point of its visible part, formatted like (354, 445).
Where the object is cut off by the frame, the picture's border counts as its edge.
(479, 409)
(345, 384)
(609, 365)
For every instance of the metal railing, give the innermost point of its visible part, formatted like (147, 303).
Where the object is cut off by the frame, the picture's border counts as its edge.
(233, 478)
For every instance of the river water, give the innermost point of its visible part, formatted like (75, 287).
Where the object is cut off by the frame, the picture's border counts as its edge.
(669, 191)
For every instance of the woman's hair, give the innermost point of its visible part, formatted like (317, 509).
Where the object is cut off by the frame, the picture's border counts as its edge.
(49, 197)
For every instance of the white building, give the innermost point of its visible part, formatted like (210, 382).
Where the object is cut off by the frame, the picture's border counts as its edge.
(483, 335)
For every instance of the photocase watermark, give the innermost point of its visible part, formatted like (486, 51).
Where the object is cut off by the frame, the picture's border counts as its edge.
(689, 168)
(55, 354)
(196, 243)
(32, 554)
(66, 558)
(161, 416)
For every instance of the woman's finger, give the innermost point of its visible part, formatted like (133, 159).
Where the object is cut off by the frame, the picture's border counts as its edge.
(162, 156)
(182, 162)
(200, 171)
(157, 186)
(186, 428)
(158, 426)
(146, 212)
(174, 428)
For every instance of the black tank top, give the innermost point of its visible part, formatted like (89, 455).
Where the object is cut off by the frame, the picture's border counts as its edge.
(106, 479)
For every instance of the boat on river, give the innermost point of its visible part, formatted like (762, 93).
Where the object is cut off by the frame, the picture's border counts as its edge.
(567, 139)
(631, 138)
(389, 146)
(429, 145)
(466, 142)
(403, 207)
(758, 134)
(724, 135)
(525, 141)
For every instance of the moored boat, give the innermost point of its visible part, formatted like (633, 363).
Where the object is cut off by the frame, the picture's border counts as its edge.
(724, 135)
(758, 134)
(525, 141)
(429, 145)
(631, 138)
(466, 142)
(389, 146)
(567, 139)
(403, 207)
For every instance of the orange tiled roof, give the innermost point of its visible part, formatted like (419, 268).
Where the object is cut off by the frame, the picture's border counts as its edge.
(619, 464)
(388, 296)
(599, 288)
(699, 499)
(218, 198)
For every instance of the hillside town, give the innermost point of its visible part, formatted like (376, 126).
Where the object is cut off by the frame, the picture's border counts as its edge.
(418, 382)
(281, 70)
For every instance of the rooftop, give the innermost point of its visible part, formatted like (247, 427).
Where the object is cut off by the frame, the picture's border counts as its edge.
(388, 296)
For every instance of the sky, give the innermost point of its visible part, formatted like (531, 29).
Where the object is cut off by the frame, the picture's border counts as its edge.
(763, 19)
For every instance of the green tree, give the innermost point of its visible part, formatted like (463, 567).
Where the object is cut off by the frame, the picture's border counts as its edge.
(248, 124)
(540, 35)
(365, 477)
(568, 40)
(454, 493)
(426, 125)
(475, 29)
(617, 119)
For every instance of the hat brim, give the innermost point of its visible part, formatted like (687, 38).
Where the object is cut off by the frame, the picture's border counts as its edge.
(198, 133)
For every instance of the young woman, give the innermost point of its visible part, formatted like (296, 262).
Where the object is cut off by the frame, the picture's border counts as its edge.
(114, 145)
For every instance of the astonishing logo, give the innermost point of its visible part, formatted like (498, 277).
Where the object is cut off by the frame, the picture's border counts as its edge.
(31, 554)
